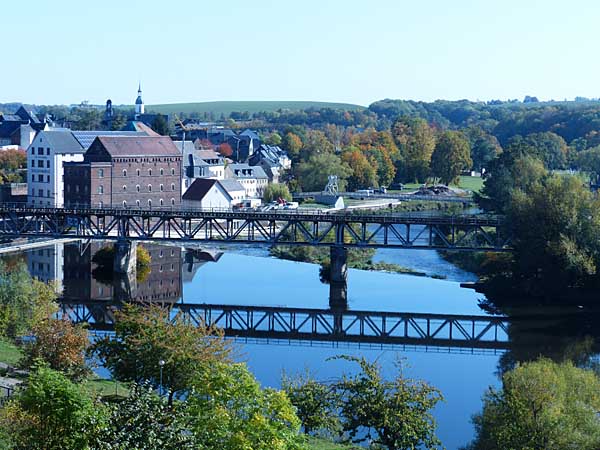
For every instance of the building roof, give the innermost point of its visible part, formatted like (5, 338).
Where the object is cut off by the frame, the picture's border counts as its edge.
(232, 186)
(86, 138)
(246, 171)
(249, 133)
(207, 154)
(61, 140)
(188, 147)
(200, 187)
(136, 125)
(138, 145)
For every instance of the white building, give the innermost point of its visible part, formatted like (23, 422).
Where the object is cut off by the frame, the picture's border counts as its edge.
(208, 193)
(252, 178)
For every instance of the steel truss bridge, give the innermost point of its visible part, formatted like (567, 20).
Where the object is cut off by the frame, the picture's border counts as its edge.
(301, 324)
(316, 228)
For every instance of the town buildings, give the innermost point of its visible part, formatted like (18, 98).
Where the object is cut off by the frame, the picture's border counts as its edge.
(206, 193)
(18, 130)
(253, 179)
(127, 171)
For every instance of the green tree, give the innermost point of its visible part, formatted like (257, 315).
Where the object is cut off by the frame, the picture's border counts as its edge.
(144, 336)
(275, 191)
(229, 411)
(144, 421)
(52, 413)
(550, 148)
(118, 122)
(484, 148)
(394, 414)
(451, 156)
(12, 166)
(273, 139)
(363, 172)
(292, 144)
(589, 161)
(61, 345)
(160, 125)
(542, 405)
(24, 301)
(416, 141)
(313, 174)
(315, 143)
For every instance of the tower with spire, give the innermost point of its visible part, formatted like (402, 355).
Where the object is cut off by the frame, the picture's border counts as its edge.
(139, 103)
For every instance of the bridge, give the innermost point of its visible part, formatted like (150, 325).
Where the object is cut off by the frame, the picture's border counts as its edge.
(288, 227)
(466, 200)
(303, 324)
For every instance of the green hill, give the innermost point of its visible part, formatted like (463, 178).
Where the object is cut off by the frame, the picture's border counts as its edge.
(242, 106)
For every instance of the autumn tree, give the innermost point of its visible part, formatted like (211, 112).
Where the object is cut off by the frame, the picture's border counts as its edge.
(451, 156)
(225, 150)
(292, 144)
(12, 165)
(416, 141)
(61, 345)
(315, 143)
(145, 335)
(363, 172)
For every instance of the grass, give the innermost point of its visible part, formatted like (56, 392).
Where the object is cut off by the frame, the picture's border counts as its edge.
(241, 106)
(323, 444)
(102, 387)
(468, 183)
(9, 353)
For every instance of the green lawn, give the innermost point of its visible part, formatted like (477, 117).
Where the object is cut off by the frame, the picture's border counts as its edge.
(473, 184)
(102, 387)
(9, 353)
(241, 106)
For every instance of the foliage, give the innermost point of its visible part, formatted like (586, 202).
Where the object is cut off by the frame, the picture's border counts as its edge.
(275, 191)
(273, 139)
(292, 144)
(313, 174)
(104, 259)
(393, 414)
(229, 411)
(363, 172)
(160, 125)
(542, 405)
(416, 141)
(316, 404)
(24, 301)
(145, 335)
(549, 147)
(61, 345)
(315, 143)
(12, 165)
(144, 421)
(52, 413)
(589, 160)
(451, 156)
(225, 150)
(484, 147)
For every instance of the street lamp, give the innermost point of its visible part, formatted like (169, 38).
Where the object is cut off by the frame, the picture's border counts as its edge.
(161, 364)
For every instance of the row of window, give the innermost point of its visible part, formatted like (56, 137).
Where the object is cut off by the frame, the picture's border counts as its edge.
(161, 202)
(40, 178)
(137, 188)
(40, 193)
(40, 163)
(162, 172)
(40, 151)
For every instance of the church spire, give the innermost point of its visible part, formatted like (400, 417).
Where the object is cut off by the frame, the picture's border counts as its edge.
(139, 103)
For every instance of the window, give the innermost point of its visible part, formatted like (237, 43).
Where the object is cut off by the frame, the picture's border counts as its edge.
(40, 163)
(48, 178)
(48, 192)
(172, 171)
(150, 203)
(48, 164)
(149, 188)
(150, 172)
(68, 188)
(137, 187)
(100, 204)
(137, 203)
(137, 172)
(40, 150)
(124, 172)
(32, 177)
(33, 150)
(172, 186)
(47, 151)
(162, 172)
(40, 178)
(162, 188)
(161, 202)
(124, 204)
(77, 188)
(172, 201)
(40, 192)
(100, 189)
(100, 173)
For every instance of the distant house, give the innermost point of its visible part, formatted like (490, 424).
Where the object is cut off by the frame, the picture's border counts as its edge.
(208, 193)
(253, 179)
(19, 129)
(273, 161)
(199, 163)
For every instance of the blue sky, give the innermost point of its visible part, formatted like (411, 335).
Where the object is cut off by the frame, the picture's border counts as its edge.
(66, 51)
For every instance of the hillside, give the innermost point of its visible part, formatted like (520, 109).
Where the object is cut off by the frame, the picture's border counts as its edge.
(242, 106)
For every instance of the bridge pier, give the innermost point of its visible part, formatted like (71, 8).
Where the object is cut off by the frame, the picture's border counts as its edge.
(125, 256)
(338, 284)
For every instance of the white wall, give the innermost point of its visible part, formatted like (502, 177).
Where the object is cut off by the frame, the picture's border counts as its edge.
(214, 198)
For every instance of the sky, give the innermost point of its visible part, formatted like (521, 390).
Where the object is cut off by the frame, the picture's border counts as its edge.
(67, 51)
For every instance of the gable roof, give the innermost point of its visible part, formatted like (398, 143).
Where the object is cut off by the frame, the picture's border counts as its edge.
(138, 145)
(86, 138)
(232, 186)
(251, 171)
(61, 140)
(200, 187)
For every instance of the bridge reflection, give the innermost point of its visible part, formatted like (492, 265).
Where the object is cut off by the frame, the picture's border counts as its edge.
(302, 324)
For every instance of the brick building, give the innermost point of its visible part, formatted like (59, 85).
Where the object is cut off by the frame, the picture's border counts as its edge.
(140, 171)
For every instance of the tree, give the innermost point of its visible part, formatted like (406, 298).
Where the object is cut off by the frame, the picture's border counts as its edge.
(275, 191)
(542, 405)
(589, 160)
(484, 148)
(416, 141)
(24, 301)
(144, 421)
(313, 174)
(61, 345)
(292, 144)
(363, 172)
(394, 414)
(144, 336)
(550, 148)
(12, 165)
(225, 150)
(315, 143)
(160, 125)
(52, 413)
(229, 411)
(451, 156)
(273, 139)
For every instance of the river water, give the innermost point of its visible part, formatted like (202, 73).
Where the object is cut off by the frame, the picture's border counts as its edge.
(248, 276)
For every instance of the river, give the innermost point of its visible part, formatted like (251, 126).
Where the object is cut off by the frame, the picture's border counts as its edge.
(248, 276)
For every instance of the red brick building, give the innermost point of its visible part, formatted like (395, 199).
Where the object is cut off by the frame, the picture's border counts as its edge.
(126, 171)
